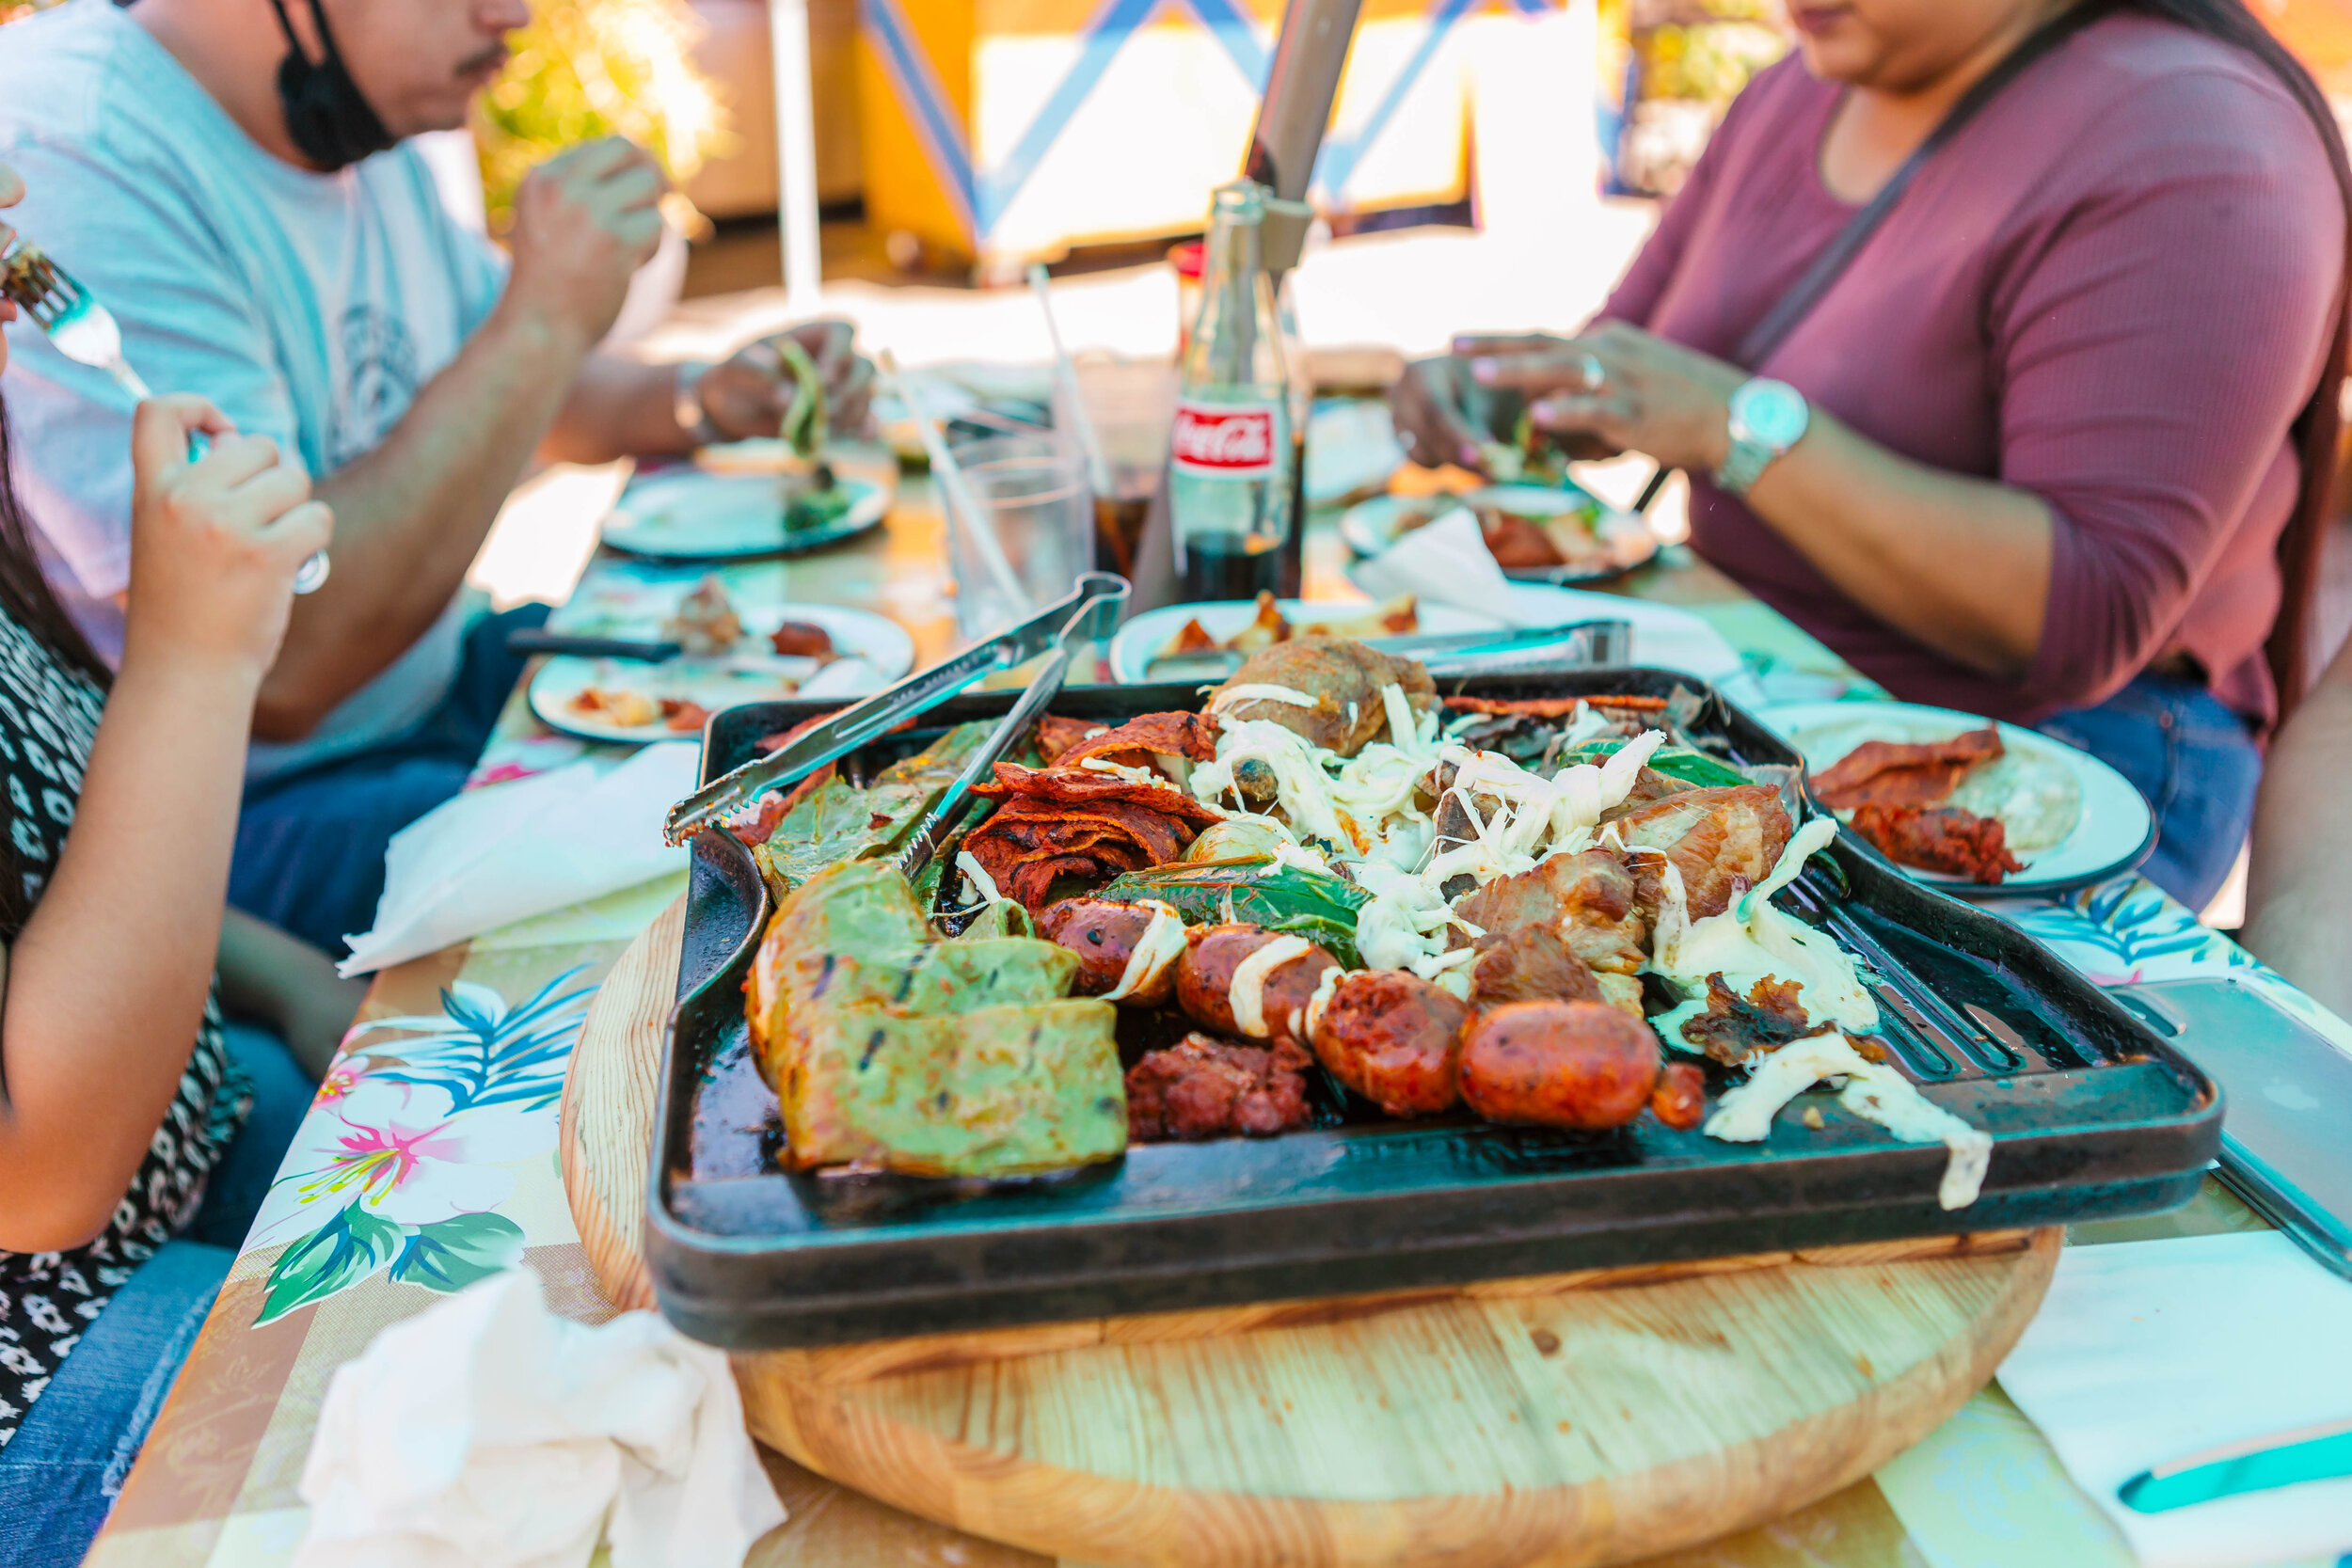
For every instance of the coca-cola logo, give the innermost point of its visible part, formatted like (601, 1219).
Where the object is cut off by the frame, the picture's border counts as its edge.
(1223, 438)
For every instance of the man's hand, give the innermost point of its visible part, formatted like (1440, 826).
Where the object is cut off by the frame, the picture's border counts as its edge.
(584, 222)
(748, 395)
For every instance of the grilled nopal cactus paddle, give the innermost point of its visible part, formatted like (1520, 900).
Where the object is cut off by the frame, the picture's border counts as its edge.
(889, 1047)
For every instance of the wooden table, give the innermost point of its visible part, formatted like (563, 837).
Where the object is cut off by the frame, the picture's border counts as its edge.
(464, 1160)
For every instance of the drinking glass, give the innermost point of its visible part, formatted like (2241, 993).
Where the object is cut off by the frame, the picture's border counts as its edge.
(1033, 489)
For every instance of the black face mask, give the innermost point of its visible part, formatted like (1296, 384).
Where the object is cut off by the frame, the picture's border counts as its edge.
(326, 115)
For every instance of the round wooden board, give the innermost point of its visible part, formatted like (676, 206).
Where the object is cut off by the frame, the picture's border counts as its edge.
(1559, 1420)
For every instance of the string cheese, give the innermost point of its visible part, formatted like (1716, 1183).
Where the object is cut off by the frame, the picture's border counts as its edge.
(1161, 944)
(1258, 692)
(1248, 996)
(1873, 1090)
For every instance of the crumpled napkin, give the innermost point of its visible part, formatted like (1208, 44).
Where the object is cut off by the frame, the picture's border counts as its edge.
(1446, 562)
(2145, 1352)
(488, 1432)
(505, 852)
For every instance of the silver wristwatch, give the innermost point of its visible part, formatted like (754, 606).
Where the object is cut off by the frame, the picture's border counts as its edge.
(1767, 418)
(687, 404)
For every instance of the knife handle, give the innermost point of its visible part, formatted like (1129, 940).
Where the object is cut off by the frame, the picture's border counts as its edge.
(538, 640)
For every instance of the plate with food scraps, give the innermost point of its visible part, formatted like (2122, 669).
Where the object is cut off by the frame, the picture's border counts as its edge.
(1966, 803)
(1131, 1063)
(691, 513)
(1537, 532)
(790, 650)
(1663, 636)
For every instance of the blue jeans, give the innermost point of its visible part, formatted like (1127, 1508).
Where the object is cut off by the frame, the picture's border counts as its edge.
(60, 1474)
(2195, 761)
(309, 856)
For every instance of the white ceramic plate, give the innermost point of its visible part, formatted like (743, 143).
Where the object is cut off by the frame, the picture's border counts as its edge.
(694, 514)
(1370, 527)
(875, 651)
(1664, 637)
(2115, 831)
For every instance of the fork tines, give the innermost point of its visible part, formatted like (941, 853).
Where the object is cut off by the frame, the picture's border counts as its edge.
(39, 286)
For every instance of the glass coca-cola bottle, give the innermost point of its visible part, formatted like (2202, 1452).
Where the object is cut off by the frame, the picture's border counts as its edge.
(1231, 454)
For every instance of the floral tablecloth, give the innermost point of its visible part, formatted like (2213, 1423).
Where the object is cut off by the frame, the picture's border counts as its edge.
(430, 1160)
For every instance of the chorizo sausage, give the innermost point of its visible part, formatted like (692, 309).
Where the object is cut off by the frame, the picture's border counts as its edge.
(1680, 1098)
(1557, 1064)
(1127, 952)
(1233, 980)
(1392, 1038)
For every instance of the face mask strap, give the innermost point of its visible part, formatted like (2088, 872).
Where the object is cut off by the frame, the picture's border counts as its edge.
(328, 118)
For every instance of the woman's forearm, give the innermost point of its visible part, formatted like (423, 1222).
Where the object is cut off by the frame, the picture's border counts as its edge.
(283, 982)
(2299, 903)
(107, 983)
(1960, 565)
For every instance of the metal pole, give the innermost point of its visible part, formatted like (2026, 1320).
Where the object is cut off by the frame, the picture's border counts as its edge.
(1300, 86)
(796, 154)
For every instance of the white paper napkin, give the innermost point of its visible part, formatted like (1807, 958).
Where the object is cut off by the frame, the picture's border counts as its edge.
(2145, 1352)
(1446, 562)
(488, 1432)
(505, 852)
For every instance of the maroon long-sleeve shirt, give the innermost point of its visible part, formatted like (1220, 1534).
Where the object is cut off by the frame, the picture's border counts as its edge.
(2112, 288)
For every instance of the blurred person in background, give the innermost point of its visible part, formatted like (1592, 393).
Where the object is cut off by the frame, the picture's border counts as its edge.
(2056, 446)
(138, 1133)
(2298, 892)
(229, 178)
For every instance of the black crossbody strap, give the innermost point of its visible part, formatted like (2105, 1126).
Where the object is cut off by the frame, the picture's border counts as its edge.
(1776, 325)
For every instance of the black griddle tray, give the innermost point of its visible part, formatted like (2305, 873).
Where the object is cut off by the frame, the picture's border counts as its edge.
(2093, 1116)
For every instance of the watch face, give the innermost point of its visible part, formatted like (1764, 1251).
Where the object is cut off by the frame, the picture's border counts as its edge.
(1774, 412)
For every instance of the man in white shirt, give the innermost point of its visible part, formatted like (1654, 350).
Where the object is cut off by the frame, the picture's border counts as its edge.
(229, 176)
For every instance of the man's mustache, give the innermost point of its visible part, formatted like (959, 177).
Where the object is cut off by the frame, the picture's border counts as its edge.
(487, 60)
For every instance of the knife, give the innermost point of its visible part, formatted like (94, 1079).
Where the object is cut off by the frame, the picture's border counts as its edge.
(2322, 1452)
(526, 640)
(1101, 594)
(1586, 643)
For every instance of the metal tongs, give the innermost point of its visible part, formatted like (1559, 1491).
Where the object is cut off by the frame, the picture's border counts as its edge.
(939, 823)
(1582, 645)
(1092, 610)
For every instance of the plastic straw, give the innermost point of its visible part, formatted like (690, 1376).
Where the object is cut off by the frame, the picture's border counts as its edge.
(955, 496)
(1066, 371)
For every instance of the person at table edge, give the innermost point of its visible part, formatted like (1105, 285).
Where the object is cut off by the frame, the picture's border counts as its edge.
(231, 179)
(2061, 426)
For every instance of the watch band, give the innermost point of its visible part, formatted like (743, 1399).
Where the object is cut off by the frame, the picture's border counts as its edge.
(686, 404)
(1743, 463)
(1765, 418)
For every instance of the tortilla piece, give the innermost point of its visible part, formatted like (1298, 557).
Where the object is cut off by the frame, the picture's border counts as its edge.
(1897, 773)
(2036, 798)
(995, 1091)
(935, 1059)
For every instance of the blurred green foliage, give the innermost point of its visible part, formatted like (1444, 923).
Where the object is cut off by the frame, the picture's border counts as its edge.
(585, 68)
(1706, 62)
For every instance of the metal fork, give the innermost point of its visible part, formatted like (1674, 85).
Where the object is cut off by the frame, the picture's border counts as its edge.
(86, 332)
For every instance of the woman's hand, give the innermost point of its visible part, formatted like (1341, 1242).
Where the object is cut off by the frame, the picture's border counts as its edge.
(1616, 388)
(1441, 416)
(214, 543)
(748, 394)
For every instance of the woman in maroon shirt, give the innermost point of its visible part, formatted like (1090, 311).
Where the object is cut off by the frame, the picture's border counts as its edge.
(2054, 411)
